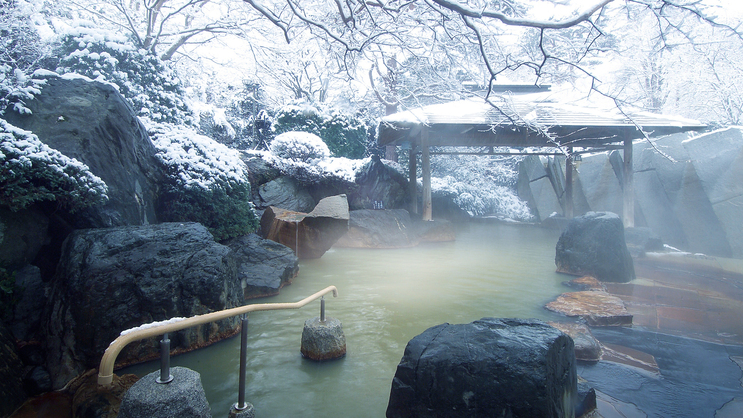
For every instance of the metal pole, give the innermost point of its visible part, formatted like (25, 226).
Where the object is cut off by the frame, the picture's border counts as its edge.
(165, 376)
(241, 404)
(322, 309)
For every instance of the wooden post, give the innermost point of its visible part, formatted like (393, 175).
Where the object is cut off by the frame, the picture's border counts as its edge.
(628, 207)
(426, 168)
(569, 184)
(413, 179)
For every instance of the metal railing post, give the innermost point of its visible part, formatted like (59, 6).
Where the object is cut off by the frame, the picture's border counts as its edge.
(241, 405)
(165, 376)
(322, 309)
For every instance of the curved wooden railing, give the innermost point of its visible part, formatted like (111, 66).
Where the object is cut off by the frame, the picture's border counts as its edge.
(106, 368)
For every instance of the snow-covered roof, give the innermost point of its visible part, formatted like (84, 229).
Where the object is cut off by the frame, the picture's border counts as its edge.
(522, 120)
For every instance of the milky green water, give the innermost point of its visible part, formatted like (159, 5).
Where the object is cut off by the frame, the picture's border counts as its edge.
(386, 297)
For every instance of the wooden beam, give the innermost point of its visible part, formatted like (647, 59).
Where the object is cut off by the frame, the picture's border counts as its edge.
(628, 201)
(426, 167)
(569, 184)
(413, 178)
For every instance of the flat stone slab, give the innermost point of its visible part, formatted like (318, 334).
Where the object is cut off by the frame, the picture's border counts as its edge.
(597, 308)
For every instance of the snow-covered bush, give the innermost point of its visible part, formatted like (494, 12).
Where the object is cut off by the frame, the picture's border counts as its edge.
(31, 172)
(21, 51)
(479, 185)
(146, 82)
(208, 182)
(299, 146)
(344, 134)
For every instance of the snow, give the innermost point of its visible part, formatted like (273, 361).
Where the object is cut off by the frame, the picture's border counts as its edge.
(198, 160)
(152, 325)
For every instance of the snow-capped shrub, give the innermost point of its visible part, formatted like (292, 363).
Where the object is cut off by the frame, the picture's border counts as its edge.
(208, 182)
(316, 171)
(150, 86)
(31, 172)
(479, 185)
(299, 146)
(344, 134)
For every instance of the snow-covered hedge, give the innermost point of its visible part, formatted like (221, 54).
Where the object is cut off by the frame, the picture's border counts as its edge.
(30, 172)
(345, 135)
(150, 86)
(479, 186)
(208, 182)
(299, 146)
(305, 157)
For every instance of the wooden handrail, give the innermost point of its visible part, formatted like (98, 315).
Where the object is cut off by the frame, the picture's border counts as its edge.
(106, 368)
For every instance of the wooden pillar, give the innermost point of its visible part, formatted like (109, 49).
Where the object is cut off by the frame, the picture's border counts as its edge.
(413, 179)
(628, 207)
(426, 168)
(569, 184)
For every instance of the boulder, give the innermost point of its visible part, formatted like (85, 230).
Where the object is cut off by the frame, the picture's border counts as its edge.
(309, 234)
(641, 240)
(593, 244)
(259, 171)
(587, 347)
(184, 397)
(597, 308)
(488, 368)
(379, 182)
(323, 340)
(286, 193)
(91, 122)
(263, 266)
(380, 229)
(11, 373)
(26, 322)
(438, 230)
(113, 279)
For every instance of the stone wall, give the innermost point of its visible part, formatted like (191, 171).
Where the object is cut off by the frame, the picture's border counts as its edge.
(691, 195)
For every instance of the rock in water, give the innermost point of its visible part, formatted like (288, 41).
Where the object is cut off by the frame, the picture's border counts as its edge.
(594, 245)
(597, 308)
(310, 235)
(488, 368)
(263, 266)
(184, 397)
(369, 228)
(323, 340)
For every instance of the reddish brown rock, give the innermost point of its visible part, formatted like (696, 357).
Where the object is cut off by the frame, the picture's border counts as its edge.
(310, 235)
(595, 307)
(587, 348)
(586, 283)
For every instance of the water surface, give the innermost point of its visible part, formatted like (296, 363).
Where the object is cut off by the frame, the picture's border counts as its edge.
(386, 297)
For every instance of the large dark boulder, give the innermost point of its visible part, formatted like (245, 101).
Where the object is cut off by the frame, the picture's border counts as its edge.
(263, 266)
(369, 228)
(113, 279)
(488, 368)
(594, 245)
(91, 122)
(284, 192)
(378, 182)
(26, 319)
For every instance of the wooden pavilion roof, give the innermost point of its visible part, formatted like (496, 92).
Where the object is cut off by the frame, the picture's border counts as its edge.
(524, 120)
